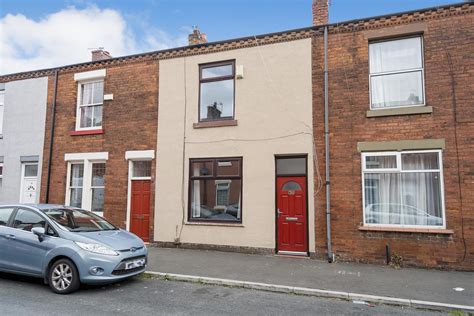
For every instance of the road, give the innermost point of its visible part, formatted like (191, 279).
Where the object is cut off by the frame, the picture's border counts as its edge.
(145, 296)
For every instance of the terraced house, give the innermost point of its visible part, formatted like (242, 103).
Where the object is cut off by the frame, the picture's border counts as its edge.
(347, 141)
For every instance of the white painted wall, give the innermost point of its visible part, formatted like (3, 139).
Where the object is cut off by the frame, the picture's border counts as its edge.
(273, 107)
(23, 132)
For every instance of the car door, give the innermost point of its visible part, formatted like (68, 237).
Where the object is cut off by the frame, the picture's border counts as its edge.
(5, 216)
(27, 252)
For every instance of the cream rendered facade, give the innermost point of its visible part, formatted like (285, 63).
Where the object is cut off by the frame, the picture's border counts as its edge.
(273, 108)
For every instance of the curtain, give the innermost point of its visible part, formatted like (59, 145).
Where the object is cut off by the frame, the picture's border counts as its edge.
(196, 192)
(412, 197)
(87, 91)
(396, 89)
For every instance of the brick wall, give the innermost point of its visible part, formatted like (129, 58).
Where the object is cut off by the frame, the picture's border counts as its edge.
(449, 67)
(129, 122)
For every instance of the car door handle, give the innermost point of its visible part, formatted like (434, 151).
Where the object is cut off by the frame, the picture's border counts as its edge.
(9, 236)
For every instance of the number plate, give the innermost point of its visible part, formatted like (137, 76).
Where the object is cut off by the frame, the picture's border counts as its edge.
(134, 264)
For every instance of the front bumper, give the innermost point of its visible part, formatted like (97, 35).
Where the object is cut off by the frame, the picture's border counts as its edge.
(113, 267)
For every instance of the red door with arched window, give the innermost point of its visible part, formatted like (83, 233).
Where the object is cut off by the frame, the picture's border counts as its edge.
(292, 215)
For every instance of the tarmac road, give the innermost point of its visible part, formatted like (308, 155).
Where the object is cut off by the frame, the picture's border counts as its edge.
(149, 296)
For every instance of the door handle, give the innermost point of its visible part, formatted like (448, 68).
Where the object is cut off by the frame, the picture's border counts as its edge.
(279, 212)
(9, 236)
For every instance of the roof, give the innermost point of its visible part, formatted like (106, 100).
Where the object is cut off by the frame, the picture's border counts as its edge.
(262, 39)
(38, 206)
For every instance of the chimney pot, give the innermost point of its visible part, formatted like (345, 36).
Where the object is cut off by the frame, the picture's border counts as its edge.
(320, 12)
(196, 37)
(100, 54)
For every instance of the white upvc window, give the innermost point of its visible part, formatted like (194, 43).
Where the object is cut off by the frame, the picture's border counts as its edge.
(222, 192)
(2, 103)
(403, 189)
(90, 99)
(86, 184)
(396, 76)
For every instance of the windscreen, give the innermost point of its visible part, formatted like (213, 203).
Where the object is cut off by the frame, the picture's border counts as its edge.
(76, 220)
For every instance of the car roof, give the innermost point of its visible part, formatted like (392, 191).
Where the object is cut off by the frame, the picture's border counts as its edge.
(37, 206)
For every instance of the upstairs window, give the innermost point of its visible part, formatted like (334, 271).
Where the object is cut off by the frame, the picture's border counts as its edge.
(216, 90)
(1, 174)
(2, 102)
(89, 106)
(396, 73)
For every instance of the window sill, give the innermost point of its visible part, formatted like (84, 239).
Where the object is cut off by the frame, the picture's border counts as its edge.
(214, 224)
(87, 132)
(407, 230)
(215, 124)
(409, 110)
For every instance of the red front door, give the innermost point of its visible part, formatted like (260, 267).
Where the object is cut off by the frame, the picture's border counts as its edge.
(291, 214)
(140, 209)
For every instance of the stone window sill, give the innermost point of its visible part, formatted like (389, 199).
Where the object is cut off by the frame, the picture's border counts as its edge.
(87, 132)
(407, 230)
(214, 224)
(215, 124)
(400, 111)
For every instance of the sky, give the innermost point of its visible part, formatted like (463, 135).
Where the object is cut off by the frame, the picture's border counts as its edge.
(38, 34)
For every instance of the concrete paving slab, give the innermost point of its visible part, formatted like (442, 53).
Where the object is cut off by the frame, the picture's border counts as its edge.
(406, 283)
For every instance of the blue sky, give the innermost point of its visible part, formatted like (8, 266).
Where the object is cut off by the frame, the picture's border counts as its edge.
(155, 24)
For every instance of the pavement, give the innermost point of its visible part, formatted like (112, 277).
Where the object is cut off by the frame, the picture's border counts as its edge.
(441, 287)
(143, 296)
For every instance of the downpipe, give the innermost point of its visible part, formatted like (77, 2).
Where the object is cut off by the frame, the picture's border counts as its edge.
(326, 145)
(51, 136)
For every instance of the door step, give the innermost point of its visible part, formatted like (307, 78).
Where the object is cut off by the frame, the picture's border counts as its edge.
(292, 253)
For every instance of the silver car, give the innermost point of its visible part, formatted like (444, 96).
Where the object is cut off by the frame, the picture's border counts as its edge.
(67, 246)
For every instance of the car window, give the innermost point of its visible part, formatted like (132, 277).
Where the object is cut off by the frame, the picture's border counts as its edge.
(50, 231)
(26, 220)
(77, 220)
(5, 214)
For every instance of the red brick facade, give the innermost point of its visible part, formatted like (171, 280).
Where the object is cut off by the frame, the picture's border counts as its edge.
(129, 123)
(449, 81)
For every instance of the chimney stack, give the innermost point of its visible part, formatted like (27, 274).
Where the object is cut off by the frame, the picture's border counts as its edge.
(196, 37)
(320, 12)
(100, 54)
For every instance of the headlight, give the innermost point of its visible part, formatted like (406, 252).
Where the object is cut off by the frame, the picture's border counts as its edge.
(97, 248)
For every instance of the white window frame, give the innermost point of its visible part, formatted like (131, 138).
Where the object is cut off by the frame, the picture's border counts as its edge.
(69, 186)
(225, 186)
(87, 159)
(1, 173)
(377, 74)
(79, 105)
(400, 170)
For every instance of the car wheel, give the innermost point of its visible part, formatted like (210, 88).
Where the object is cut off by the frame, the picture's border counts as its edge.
(63, 277)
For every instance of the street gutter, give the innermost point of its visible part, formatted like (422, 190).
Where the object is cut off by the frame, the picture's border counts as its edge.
(437, 306)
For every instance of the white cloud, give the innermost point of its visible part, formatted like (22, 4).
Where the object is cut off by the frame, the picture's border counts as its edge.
(64, 37)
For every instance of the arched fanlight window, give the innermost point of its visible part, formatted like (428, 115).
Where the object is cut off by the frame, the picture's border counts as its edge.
(291, 186)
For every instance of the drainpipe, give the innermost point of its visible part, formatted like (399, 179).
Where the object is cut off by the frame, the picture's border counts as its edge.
(326, 144)
(51, 136)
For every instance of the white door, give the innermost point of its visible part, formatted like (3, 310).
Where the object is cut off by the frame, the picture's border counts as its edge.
(29, 183)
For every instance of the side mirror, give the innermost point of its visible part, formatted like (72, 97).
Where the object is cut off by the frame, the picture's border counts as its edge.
(39, 231)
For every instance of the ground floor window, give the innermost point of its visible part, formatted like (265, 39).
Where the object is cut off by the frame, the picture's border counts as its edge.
(86, 185)
(215, 190)
(403, 188)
